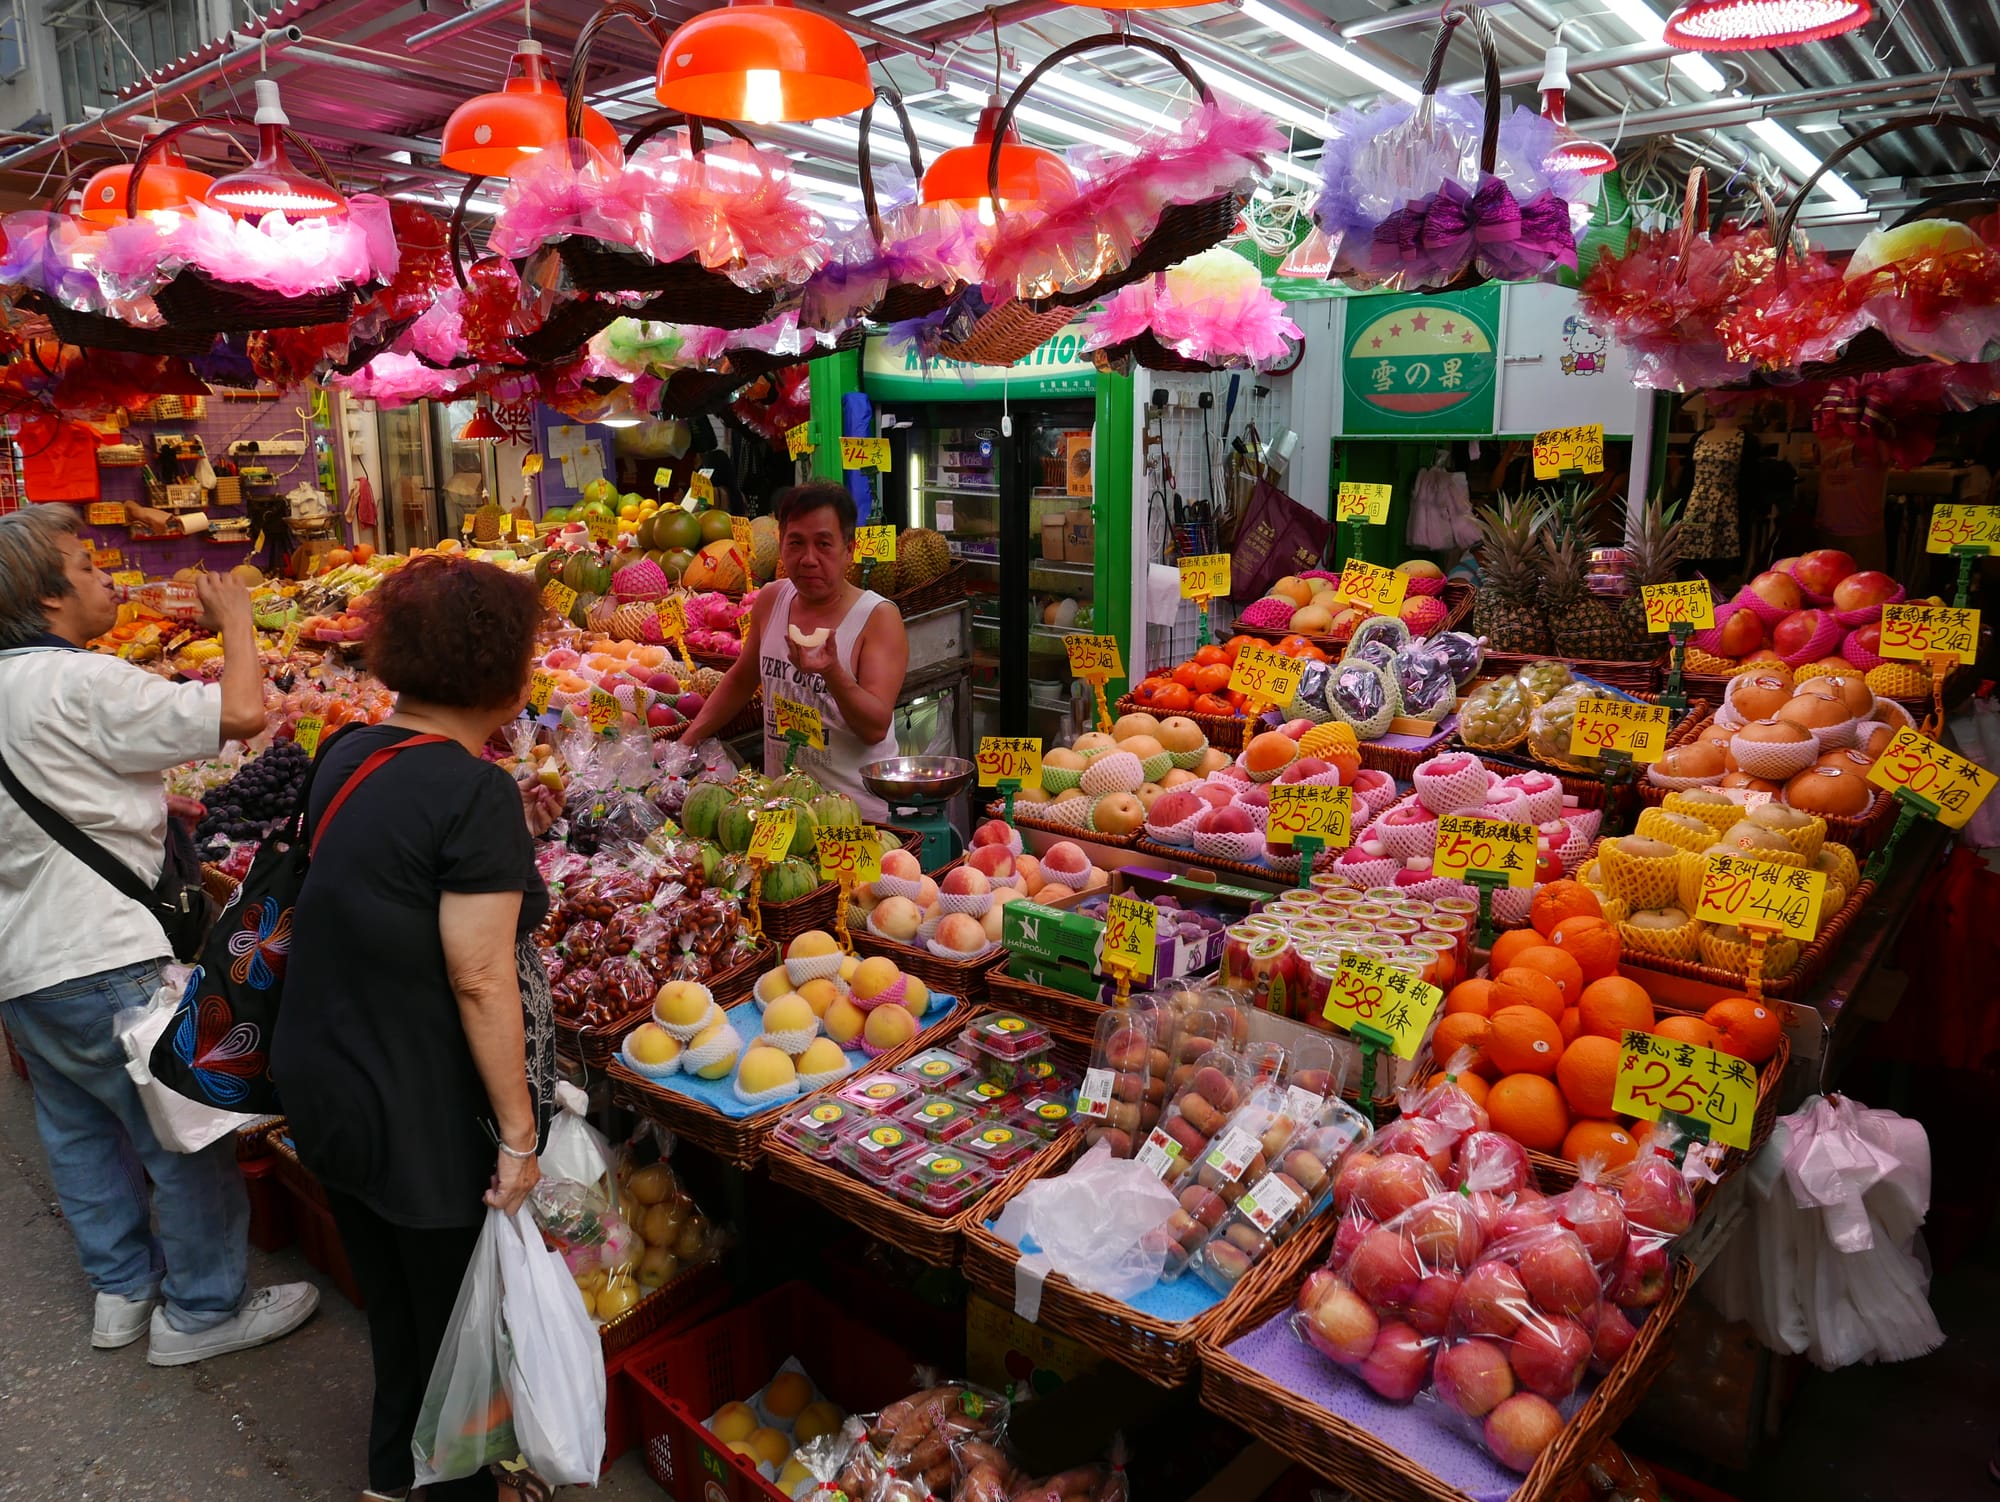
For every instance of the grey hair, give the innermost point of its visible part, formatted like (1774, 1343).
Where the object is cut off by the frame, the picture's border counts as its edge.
(31, 568)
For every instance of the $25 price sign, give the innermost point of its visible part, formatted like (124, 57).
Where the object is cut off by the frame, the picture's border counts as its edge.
(1380, 996)
(604, 712)
(771, 834)
(1738, 890)
(1656, 1075)
(1916, 764)
(1685, 602)
(1370, 584)
(1466, 843)
(1917, 633)
(849, 854)
(1016, 756)
(1357, 501)
(1265, 675)
(1614, 725)
(1205, 577)
(1321, 813)
(794, 718)
(1094, 657)
(1131, 929)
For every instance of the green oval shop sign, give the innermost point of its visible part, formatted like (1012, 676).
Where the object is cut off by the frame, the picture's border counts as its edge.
(1418, 363)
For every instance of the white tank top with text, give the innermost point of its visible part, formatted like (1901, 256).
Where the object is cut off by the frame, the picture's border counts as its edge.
(838, 767)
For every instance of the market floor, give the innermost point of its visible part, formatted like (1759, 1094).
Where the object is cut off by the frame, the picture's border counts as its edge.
(285, 1423)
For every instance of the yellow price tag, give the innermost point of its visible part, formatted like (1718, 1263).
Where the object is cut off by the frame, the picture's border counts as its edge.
(1917, 633)
(849, 854)
(739, 534)
(288, 639)
(531, 465)
(701, 487)
(792, 717)
(105, 513)
(1325, 814)
(1738, 890)
(1656, 1075)
(1686, 601)
(307, 733)
(1916, 764)
(672, 615)
(1617, 725)
(874, 544)
(865, 453)
(1016, 756)
(663, 478)
(130, 578)
(771, 834)
(1358, 502)
(558, 596)
(604, 712)
(1467, 843)
(1370, 993)
(1380, 589)
(1131, 930)
(1206, 577)
(798, 440)
(601, 528)
(1561, 451)
(541, 684)
(114, 558)
(1094, 657)
(1964, 527)
(1263, 674)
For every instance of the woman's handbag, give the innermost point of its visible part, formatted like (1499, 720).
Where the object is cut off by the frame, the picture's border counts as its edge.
(217, 1050)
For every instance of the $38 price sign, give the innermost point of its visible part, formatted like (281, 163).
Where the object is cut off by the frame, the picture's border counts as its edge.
(1094, 657)
(792, 717)
(1265, 675)
(1686, 602)
(1917, 633)
(1741, 891)
(1616, 725)
(1964, 527)
(771, 834)
(1205, 577)
(1357, 501)
(1657, 1075)
(1916, 764)
(1324, 814)
(1380, 589)
(1468, 844)
(1131, 929)
(1016, 756)
(1372, 993)
(849, 854)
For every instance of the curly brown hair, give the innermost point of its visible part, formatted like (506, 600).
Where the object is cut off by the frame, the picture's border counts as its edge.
(454, 632)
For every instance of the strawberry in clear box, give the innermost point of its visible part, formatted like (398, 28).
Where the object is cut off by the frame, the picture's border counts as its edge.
(1002, 1147)
(941, 1182)
(987, 1098)
(1045, 1116)
(814, 1128)
(878, 1094)
(876, 1150)
(938, 1118)
(1043, 1077)
(935, 1069)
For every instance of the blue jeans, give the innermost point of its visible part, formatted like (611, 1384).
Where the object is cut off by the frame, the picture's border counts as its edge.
(101, 1150)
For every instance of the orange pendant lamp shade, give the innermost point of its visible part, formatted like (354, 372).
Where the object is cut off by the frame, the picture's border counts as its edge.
(1028, 174)
(493, 134)
(762, 61)
(168, 187)
(481, 429)
(271, 184)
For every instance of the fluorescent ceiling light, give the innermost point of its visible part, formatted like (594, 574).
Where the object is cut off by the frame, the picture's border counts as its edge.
(1032, 116)
(888, 138)
(1334, 52)
(1796, 155)
(1651, 26)
(1278, 108)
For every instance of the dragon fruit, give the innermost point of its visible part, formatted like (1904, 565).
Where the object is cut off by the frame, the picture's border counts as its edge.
(1272, 613)
(639, 581)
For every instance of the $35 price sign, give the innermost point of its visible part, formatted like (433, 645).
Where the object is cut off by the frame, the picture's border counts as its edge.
(1094, 657)
(1205, 577)
(1917, 633)
(1016, 756)
(1131, 929)
(1374, 994)
(1685, 602)
(1656, 1075)
(1740, 891)
(794, 718)
(1380, 589)
(1466, 843)
(1560, 450)
(1916, 764)
(1614, 725)
(1265, 675)
(849, 854)
(1324, 814)
(1964, 527)
(771, 834)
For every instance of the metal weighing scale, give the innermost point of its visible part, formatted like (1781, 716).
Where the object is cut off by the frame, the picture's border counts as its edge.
(919, 790)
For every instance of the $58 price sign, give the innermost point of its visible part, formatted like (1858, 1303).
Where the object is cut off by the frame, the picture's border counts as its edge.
(1357, 501)
(1916, 633)
(672, 614)
(849, 854)
(1374, 994)
(1094, 657)
(1466, 843)
(1016, 756)
(1206, 577)
(1964, 527)
(1372, 585)
(1131, 929)
(1265, 675)
(1745, 892)
(1321, 813)
(1615, 725)
(1656, 1075)
(1917, 765)
(792, 717)
(771, 834)
(1686, 602)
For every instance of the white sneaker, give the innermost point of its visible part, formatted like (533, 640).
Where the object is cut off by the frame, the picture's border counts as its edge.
(266, 1315)
(119, 1321)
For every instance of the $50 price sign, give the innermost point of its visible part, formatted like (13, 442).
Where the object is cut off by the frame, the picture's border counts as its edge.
(1378, 995)
(1094, 657)
(1656, 1075)
(849, 854)
(771, 834)
(1131, 929)
(1686, 602)
(1738, 890)
(1614, 725)
(1964, 527)
(1370, 584)
(1916, 764)
(1262, 674)
(1466, 843)
(1916, 633)
(1205, 577)
(1016, 756)
(1321, 813)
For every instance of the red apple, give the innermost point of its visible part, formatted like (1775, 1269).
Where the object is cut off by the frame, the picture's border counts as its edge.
(1656, 1197)
(1418, 1137)
(1474, 1377)
(1598, 1218)
(1353, 1174)
(1304, 767)
(1445, 1232)
(1353, 1230)
(1398, 1363)
(1384, 1269)
(1821, 569)
(1615, 1334)
(1520, 1429)
(1173, 806)
(1860, 591)
(1868, 638)
(1394, 1184)
(1795, 632)
(660, 714)
(1742, 634)
(1429, 1308)
(1559, 1276)
(664, 683)
(1780, 591)
(1491, 1301)
(1641, 1279)
(1493, 1161)
(1229, 819)
(1528, 1212)
(1550, 1355)
(1340, 1325)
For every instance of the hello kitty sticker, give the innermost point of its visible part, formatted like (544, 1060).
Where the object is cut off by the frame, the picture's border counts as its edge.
(1586, 347)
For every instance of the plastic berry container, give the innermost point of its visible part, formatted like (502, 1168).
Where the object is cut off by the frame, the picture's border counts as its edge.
(1043, 1077)
(941, 1182)
(935, 1069)
(878, 1094)
(876, 1150)
(938, 1118)
(1006, 1036)
(1003, 1147)
(813, 1129)
(1046, 1116)
(984, 1098)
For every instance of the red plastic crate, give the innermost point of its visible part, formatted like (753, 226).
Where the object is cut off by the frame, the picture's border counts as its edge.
(705, 1298)
(319, 1240)
(681, 1380)
(270, 1205)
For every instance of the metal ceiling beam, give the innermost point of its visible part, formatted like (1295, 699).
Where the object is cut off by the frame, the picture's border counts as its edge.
(472, 20)
(1716, 113)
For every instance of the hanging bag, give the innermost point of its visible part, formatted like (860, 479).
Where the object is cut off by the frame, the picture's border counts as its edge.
(217, 1049)
(1276, 536)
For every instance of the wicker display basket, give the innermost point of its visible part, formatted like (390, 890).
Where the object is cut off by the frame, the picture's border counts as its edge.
(1007, 334)
(1357, 1460)
(596, 1047)
(692, 1295)
(1217, 864)
(95, 331)
(1224, 732)
(819, 908)
(948, 588)
(1812, 959)
(1024, 816)
(1457, 599)
(1067, 1016)
(1641, 678)
(1588, 787)
(971, 979)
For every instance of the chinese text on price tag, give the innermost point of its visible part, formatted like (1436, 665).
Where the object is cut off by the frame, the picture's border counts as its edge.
(1964, 527)
(1617, 725)
(701, 487)
(1657, 1074)
(540, 685)
(771, 834)
(864, 453)
(1918, 632)
(1467, 844)
(798, 439)
(604, 712)
(1324, 814)
(739, 534)
(877, 544)
(1372, 585)
(1359, 502)
(794, 718)
(130, 578)
(672, 613)
(1266, 675)
(1380, 996)
(558, 596)
(1094, 657)
(307, 733)
(1131, 928)
(1559, 451)
(599, 526)
(849, 853)
(1918, 765)
(1738, 890)
(1016, 756)
(1686, 601)
(1205, 577)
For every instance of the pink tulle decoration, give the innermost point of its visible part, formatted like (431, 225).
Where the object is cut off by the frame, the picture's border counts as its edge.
(706, 348)
(566, 190)
(922, 245)
(1216, 318)
(394, 380)
(1218, 149)
(1784, 322)
(292, 260)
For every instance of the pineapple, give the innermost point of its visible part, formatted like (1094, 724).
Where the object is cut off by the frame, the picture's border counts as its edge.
(1652, 556)
(1507, 608)
(1583, 625)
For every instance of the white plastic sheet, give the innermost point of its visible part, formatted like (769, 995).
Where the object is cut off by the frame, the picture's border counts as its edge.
(1091, 1223)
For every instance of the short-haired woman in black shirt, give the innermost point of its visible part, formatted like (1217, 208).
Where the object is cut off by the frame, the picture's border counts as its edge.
(415, 1048)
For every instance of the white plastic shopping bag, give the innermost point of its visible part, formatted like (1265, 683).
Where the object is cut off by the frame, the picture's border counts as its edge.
(181, 1124)
(577, 1151)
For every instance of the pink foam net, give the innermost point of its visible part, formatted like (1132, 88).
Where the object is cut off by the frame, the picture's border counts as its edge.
(1228, 328)
(141, 255)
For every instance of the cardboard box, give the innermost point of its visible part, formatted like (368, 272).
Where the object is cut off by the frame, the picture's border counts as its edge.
(1002, 1350)
(1052, 539)
(1055, 934)
(1079, 537)
(1072, 980)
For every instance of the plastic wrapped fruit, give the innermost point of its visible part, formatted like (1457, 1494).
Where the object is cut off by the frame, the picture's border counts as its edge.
(1549, 729)
(1461, 653)
(1365, 696)
(1425, 683)
(1544, 680)
(1495, 715)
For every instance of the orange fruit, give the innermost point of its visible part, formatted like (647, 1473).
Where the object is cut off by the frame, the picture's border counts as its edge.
(1521, 986)
(1586, 1071)
(1571, 1023)
(1529, 1109)
(1559, 965)
(1749, 1030)
(1473, 1085)
(1688, 1030)
(1270, 751)
(1524, 1040)
(1606, 1140)
(1508, 945)
(1557, 900)
(1592, 943)
(1469, 996)
(1461, 1030)
(1614, 1006)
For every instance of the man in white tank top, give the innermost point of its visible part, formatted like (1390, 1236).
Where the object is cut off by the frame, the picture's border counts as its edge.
(823, 642)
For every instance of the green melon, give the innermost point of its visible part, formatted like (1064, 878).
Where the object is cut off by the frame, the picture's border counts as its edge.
(734, 825)
(702, 812)
(790, 879)
(834, 810)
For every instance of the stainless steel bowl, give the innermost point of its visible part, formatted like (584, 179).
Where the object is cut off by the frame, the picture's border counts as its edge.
(928, 778)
